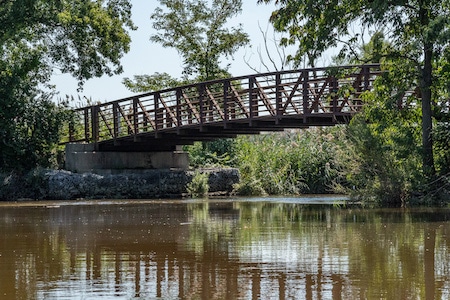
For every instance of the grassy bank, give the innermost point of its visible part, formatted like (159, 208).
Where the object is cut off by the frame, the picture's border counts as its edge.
(377, 169)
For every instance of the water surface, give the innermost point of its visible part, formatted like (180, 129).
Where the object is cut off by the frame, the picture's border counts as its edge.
(259, 248)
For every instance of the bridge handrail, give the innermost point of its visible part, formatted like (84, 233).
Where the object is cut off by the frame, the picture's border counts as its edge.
(346, 67)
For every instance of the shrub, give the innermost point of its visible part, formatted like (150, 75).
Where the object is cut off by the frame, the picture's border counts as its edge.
(218, 153)
(198, 187)
(293, 162)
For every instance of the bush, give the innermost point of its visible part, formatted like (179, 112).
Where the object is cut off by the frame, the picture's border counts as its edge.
(218, 153)
(30, 136)
(198, 187)
(293, 162)
(249, 184)
(381, 162)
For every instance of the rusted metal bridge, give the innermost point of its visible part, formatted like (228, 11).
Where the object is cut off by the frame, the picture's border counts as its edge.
(161, 120)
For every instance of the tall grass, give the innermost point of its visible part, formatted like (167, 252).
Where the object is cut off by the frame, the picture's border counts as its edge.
(292, 162)
(376, 163)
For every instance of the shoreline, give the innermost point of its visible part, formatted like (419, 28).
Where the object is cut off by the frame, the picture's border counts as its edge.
(42, 184)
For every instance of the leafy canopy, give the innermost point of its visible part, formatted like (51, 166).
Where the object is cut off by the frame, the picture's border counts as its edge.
(197, 31)
(317, 25)
(81, 37)
(418, 33)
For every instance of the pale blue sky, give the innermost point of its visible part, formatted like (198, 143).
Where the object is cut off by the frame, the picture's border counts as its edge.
(146, 57)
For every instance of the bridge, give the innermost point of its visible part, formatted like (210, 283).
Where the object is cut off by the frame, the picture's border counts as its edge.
(163, 120)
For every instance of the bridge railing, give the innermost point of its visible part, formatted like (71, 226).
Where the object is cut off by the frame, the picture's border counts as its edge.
(274, 95)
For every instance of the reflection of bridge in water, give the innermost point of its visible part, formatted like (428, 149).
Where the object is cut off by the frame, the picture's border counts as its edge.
(163, 251)
(221, 250)
(161, 120)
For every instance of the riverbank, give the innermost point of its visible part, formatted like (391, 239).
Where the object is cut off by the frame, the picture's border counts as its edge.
(43, 184)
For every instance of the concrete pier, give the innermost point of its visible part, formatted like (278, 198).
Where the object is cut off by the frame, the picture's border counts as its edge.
(82, 158)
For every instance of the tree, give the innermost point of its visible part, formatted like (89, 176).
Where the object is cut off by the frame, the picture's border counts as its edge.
(81, 37)
(417, 29)
(197, 31)
(150, 83)
(199, 35)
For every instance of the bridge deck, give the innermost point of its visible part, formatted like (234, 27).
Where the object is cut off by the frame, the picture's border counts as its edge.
(161, 120)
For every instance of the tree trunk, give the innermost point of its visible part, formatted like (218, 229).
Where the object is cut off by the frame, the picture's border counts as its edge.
(427, 118)
(425, 87)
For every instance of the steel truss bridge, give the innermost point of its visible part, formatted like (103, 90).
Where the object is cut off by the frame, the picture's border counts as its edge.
(225, 108)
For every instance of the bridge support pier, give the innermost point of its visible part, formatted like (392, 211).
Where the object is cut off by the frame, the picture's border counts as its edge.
(82, 158)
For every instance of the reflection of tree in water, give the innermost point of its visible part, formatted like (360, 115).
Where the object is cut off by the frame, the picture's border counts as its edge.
(224, 250)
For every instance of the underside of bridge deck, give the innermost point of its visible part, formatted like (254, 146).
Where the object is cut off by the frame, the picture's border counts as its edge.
(169, 138)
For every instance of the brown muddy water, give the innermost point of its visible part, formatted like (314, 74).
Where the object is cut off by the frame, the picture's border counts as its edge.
(266, 248)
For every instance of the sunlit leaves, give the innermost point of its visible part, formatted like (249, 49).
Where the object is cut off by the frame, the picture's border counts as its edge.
(415, 34)
(84, 38)
(150, 83)
(197, 31)
(289, 163)
(91, 37)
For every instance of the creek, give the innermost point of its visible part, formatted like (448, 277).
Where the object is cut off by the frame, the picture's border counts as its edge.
(239, 248)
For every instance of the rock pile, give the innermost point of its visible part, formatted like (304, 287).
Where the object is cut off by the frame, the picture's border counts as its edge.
(131, 184)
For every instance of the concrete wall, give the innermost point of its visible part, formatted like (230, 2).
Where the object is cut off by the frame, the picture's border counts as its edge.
(81, 158)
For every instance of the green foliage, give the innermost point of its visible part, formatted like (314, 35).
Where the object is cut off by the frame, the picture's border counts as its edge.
(442, 146)
(197, 31)
(29, 121)
(218, 153)
(32, 139)
(198, 187)
(250, 184)
(289, 163)
(381, 155)
(83, 38)
(380, 163)
(417, 33)
(320, 24)
(150, 83)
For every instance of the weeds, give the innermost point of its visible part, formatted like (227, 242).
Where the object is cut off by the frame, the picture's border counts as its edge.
(198, 187)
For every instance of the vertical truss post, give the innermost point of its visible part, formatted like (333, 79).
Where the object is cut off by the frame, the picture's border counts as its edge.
(189, 111)
(158, 119)
(334, 93)
(278, 98)
(210, 108)
(305, 93)
(201, 99)
(253, 101)
(86, 125)
(363, 84)
(135, 117)
(168, 118)
(95, 127)
(116, 120)
(178, 110)
(71, 130)
(226, 88)
(366, 75)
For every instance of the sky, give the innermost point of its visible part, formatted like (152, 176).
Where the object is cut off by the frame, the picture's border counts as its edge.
(146, 57)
